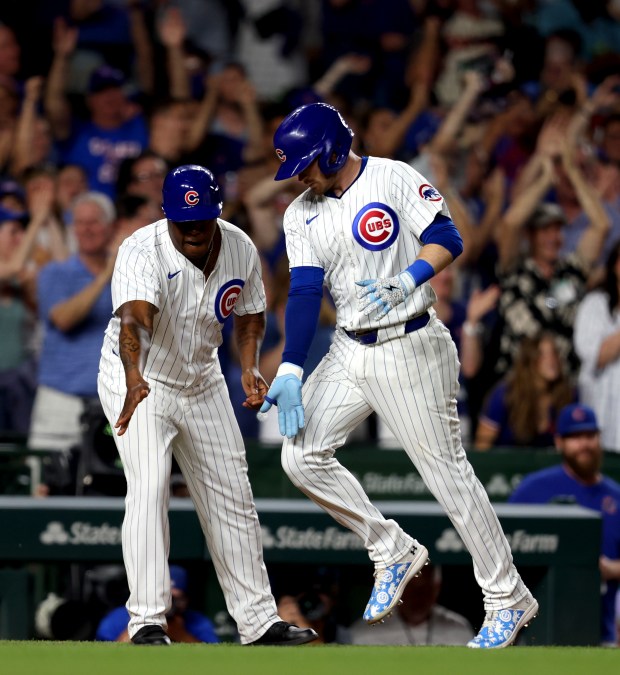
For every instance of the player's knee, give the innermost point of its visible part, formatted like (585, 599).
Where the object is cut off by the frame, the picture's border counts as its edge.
(291, 457)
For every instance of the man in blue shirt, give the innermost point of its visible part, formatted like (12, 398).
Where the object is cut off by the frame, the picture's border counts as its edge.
(579, 480)
(74, 301)
(184, 625)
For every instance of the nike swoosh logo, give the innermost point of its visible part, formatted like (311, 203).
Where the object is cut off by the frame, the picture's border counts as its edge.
(309, 220)
(392, 288)
(171, 275)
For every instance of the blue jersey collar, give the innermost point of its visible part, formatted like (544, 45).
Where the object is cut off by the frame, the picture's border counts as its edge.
(361, 171)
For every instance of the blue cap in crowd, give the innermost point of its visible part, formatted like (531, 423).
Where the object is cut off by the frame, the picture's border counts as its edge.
(8, 214)
(11, 187)
(575, 419)
(178, 578)
(105, 77)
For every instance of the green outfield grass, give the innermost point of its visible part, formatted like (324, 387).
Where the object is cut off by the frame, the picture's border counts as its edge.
(72, 658)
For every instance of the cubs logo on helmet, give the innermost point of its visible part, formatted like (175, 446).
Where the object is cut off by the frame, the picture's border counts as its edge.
(190, 193)
(191, 197)
(226, 298)
(376, 226)
(280, 154)
(429, 193)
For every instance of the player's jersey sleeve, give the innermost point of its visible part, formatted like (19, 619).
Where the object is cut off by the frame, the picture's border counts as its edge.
(418, 202)
(135, 276)
(252, 298)
(298, 247)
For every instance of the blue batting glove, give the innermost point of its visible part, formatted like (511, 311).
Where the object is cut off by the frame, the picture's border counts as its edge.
(285, 392)
(382, 295)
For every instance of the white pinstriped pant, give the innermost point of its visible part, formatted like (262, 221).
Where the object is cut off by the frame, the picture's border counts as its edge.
(411, 383)
(200, 429)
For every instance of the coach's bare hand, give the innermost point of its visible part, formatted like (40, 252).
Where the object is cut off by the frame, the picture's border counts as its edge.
(135, 393)
(255, 387)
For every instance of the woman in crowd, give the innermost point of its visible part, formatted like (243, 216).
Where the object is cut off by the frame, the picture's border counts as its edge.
(521, 409)
(597, 342)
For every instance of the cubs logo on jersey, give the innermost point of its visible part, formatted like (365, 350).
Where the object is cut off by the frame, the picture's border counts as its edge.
(429, 193)
(227, 297)
(376, 226)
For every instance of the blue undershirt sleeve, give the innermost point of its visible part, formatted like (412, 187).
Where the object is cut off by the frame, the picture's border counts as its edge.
(302, 313)
(442, 231)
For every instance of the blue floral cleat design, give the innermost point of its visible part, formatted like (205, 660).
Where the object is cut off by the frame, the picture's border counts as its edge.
(501, 627)
(390, 584)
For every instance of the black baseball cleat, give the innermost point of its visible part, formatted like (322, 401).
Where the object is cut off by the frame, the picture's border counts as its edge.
(151, 635)
(282, 634)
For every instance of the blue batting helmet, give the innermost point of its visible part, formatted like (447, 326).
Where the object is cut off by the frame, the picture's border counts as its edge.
(191, 192)
(311, 131)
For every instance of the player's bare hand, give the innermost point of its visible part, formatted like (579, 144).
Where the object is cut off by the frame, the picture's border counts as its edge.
(382, 295)
(135, 393)
(255, 388)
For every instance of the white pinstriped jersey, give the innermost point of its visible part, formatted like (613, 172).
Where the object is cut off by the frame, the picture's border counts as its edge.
(372, 231)
(410, 380)
(187, 329)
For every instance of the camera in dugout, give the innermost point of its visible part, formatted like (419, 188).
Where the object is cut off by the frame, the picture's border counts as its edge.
(99, 469)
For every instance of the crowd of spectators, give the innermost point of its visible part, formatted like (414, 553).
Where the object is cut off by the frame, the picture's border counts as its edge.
(511, 109)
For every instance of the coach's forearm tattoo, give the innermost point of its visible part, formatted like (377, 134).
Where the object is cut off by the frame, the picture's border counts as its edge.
(134, 342)
(129, 343)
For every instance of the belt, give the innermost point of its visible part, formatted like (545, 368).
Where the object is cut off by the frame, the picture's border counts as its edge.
(369, 337)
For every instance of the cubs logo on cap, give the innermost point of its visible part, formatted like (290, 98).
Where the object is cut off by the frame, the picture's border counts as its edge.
(191, 193)
(576, 418)
(429, 193)
(226, 298)
(376, 226)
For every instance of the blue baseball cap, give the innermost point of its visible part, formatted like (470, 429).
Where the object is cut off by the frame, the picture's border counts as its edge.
(178, 578)
(11, 187)
(105, 77)
(9, 214)
(575, 419)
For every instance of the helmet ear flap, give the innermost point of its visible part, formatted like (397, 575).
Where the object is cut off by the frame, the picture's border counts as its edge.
(329, 159)
(333, 157)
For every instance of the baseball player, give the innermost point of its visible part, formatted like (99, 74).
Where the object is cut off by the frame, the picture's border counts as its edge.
(375, 231)
(174, 284)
